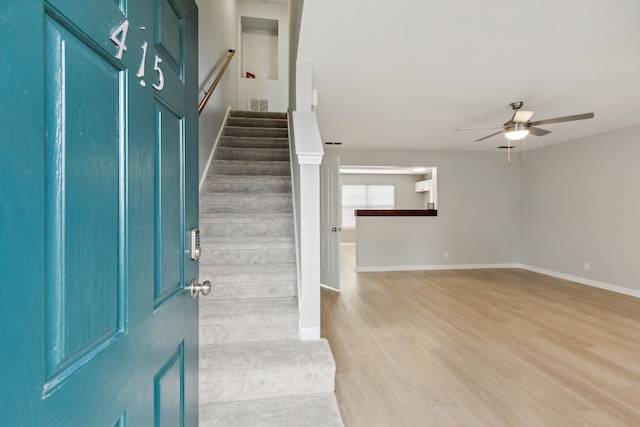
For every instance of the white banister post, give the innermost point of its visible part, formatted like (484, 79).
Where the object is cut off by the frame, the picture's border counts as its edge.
(309, 154)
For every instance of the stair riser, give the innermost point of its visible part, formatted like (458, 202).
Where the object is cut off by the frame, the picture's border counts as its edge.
(239, 257)
(248, 187)
(243, 184)
(234, 243)
(259, 114)
(256, 313)
(252, 154)
(221, 277)
(230, 167)
(265, 387)
(239, 142)
(245, 197)
(320, 410)
(256, 122)
(259, 229)
(223, 334)
(249, 290)
(256, 132)
(224, 206)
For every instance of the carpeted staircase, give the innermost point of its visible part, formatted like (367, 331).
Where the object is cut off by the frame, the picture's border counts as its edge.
(254, 371)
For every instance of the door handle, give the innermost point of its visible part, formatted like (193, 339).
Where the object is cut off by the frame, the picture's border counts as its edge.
(336, 229)
(194, 288)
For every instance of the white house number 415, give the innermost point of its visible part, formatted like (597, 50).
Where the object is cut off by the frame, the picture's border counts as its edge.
(119, 37)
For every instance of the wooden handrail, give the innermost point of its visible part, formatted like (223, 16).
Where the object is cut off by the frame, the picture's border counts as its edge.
(204, 101)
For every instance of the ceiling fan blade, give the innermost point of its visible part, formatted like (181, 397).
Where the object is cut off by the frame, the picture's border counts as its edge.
(563, 119)
(538, 131)
(488, 136)
(521, 116)
(488, 127)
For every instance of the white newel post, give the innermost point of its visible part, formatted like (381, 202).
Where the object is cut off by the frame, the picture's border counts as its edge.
(309, 154)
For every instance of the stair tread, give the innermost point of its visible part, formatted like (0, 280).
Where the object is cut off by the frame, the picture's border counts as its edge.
(232, 361)
(251, 167)
(256, 128)
(243, 162)
(233, 179)
(257, 122)
(254, 138)
(246, 242)
(244, 217)
(233, 196)
(257, 149)
(285, 239)
(266, 154)
(320, 410)
(268, 132)
(230, 141)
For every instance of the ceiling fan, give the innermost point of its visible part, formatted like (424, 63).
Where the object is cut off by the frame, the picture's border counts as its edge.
(519, 126)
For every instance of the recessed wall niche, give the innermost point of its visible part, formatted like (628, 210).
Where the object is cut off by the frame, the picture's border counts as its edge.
(259, 48)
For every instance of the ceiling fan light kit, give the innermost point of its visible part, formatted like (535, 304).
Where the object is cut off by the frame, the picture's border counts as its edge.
(516, 131)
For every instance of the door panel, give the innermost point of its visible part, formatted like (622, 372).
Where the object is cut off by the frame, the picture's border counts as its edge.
(171, 35)
(330, 222)
(168, 396)
(169, 214)
(96, 204)
(84, 182)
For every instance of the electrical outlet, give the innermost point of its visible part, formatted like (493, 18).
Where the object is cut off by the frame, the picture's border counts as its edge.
(446, 254)
(587, 266)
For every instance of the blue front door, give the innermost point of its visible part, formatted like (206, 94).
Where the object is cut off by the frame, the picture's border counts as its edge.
(98, 194)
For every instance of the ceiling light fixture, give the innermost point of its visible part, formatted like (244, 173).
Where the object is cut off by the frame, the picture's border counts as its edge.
(516, 131)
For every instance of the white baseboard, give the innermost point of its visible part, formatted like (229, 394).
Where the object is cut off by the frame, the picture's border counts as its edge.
(583, 281)
(310, 334)
(433, 267)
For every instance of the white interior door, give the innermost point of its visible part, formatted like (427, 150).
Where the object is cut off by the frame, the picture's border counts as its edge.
(330, 222)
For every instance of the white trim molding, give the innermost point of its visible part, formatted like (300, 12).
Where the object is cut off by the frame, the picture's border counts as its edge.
(309, 334)
(433, 267)
(309, 152)
(583, 281)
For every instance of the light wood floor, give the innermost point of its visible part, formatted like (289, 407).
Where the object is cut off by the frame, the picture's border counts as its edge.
(481, 348)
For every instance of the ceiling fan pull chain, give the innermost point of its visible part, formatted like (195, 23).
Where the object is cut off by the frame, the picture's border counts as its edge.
(524, 153)
(508, 150)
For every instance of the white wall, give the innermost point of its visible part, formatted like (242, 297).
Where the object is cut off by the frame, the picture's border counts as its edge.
(580, 202)
(275, 90)
(478, 204)
(260, 54)
(295, 18)
(405, 194)
(217, 33)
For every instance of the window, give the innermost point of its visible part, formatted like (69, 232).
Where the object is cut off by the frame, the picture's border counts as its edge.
(365, 197)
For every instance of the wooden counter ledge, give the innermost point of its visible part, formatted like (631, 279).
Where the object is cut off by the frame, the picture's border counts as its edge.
(396, 212)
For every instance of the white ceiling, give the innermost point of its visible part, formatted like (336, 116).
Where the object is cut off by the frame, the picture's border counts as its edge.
(406, 74)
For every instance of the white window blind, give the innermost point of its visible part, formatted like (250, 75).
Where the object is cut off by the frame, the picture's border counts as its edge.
(365, 196)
